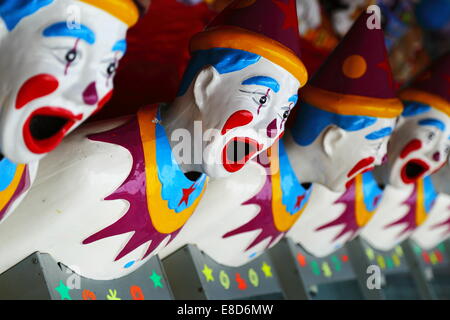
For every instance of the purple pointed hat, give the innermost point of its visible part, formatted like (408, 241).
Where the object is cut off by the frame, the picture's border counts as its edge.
(432, 86)
(356, 79)
(268, 28)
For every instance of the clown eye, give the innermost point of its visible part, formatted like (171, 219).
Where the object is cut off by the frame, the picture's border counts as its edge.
(286, 114)
(431, 136)
(111, 69)
(263, 100)
(447, 150)
(71, 56)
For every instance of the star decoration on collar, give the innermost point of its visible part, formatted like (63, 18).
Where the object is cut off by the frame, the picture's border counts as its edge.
(64, 291)
(290, 14)
(299, 201)
(156, 279)
(186, 194)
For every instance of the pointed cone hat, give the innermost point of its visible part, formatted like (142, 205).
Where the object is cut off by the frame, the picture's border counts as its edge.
(356, 79)
(124, 10)
(268, 28)
(432, 86)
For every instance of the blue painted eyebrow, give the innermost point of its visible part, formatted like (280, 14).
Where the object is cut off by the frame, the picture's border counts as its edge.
(433, 122)
(60, 29)
(263, 81)
(379, 134)
(293, 99)
(120, 45)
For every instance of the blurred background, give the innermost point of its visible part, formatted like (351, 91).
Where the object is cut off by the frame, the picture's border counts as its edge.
(416, 32)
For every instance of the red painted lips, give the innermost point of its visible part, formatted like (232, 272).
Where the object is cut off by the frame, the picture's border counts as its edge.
(413, 170)
(237, 152)
(46, 127)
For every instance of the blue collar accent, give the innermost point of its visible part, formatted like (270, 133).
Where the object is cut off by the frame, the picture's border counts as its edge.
(171, 177)
(291, 188)
(7, 172)
(371, 191)
(430, 193)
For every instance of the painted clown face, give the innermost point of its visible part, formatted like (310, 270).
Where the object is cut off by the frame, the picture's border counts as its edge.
(55, 75)
(248, 109)
(420, 146)
(360, 152)
(339, 147)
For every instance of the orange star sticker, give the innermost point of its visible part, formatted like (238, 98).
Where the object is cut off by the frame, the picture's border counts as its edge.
(186, 194)
(290, 14)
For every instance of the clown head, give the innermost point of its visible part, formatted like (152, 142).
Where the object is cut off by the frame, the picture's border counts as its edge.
(242, 82)
(421, 143)
(58, 63)
(348, 111)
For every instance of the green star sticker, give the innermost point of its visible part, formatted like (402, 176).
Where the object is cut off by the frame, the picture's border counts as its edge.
(63, 290)
(207, 271)
(267, 270)
(156, 278)
(315, 268)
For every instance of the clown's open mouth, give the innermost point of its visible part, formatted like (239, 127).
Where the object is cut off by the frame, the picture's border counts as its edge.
(413, 170)
(46, 127)
(237, 152)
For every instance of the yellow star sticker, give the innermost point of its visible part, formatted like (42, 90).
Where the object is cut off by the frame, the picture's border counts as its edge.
(267, 270)
(208, 273)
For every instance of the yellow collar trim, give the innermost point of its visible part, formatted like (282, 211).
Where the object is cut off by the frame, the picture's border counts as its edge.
(163, 218)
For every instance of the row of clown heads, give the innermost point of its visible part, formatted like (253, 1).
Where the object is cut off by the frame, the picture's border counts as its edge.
(117, 192)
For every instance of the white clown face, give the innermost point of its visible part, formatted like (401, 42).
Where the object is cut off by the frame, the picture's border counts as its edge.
(419, 147)
(248, 110)
(55, 75)
(355, 153)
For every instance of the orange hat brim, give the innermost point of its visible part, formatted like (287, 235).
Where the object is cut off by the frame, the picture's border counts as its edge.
(427, 98)
(351, 105)
(241, 39)
(124, 10)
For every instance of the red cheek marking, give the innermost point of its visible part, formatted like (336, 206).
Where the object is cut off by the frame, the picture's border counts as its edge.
(237, 119)
(102, 102)
(36, 87)
(413, 145)
(360, 165)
